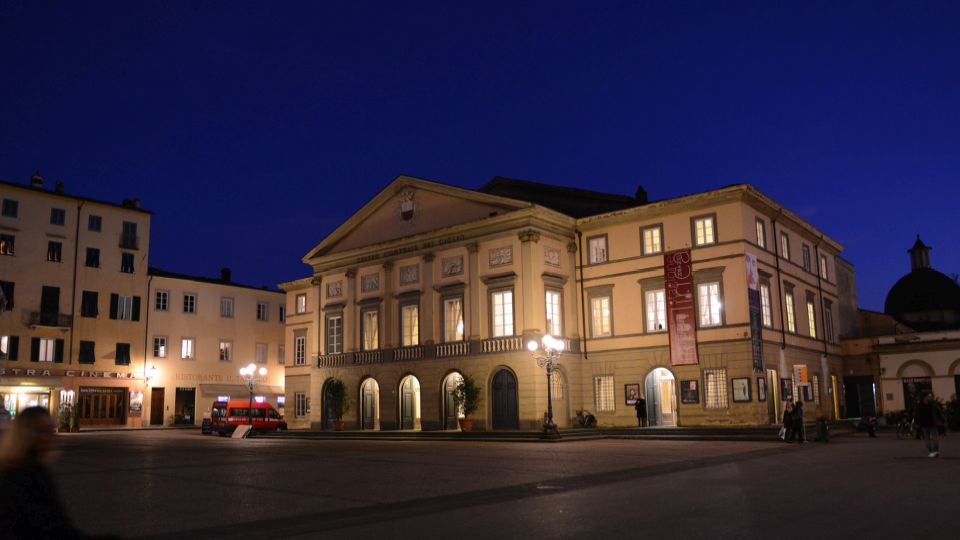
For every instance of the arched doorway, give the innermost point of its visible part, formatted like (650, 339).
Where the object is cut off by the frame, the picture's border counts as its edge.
(370, 404)
(451, 413)
(561, 399)
(410, 403)
(329, 411)
(504, 401)
(661, 393)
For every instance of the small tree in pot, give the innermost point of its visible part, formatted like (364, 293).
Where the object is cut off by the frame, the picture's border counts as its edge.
(466, 398)
(339, 400)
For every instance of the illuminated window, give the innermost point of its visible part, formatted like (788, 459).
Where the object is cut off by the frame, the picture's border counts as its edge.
(708, 298)
(823, 268)
(816, 389)
(226, 351)
(54, 251)
(704, 231)
(603, 393)
(761, 234)
(452, 319)
(159, 347)
(409, 325)
(554, 325)
(7, 244)
(370, 329)
(812, 318)
(791, 313)
(186, 348)
(598, 249)
(765, 310)
(226, 307)
(715, 388)
(335, 334)
(652, 241)
(656, 310)
(600, 323)
(301, 306)
(557, 388)
(300, 351)
(501, 303)
(784, 246)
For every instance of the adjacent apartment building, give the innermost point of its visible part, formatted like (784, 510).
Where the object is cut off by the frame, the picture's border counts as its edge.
(718, 307)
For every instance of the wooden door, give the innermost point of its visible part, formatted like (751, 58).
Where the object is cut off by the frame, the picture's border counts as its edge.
(406, 405)
(505, 413)
(450, 412)
(369, 410)
(156, 407)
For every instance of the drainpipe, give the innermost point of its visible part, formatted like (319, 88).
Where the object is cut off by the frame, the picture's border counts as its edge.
(824, 367)
(782, 364)
(73, 288)
(146, 330)
(583, 306)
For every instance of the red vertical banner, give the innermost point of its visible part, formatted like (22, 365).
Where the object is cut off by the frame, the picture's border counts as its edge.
(681, 310)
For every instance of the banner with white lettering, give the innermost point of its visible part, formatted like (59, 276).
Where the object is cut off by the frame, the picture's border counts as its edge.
(681, 311)
(753, 298)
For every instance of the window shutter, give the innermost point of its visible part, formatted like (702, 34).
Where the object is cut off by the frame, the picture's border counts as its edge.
(7, 304)
(35, 349)
(114, 300)
(14, 344)
(58, 353)
(136, 308)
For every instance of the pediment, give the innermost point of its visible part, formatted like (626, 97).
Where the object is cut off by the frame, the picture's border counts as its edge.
(409, 206)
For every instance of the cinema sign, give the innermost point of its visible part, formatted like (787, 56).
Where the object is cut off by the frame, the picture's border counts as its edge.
(31, 372)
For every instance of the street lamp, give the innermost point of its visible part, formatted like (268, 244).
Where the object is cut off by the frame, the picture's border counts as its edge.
(546, 354)
(250, 375)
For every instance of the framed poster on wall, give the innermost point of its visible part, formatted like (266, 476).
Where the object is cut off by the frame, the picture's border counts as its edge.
(631, 393)
(761, 389)
(741, 390)
(689, 392)
(786, 389)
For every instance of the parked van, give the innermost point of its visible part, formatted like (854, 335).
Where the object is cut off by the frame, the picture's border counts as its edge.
(225, 416)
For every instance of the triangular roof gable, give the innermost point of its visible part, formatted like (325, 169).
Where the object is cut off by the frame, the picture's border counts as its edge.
(409, 206)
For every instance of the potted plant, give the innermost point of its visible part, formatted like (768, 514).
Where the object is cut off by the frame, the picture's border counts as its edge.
(340, 402)
(466, 398)
(63, 424)
(74, 420)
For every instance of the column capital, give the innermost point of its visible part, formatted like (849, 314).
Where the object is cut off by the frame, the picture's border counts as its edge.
(351, 273)
(473, 247)
(317, 280)
(428, 257)
(571, 247)
(388, 266)
(528, 235)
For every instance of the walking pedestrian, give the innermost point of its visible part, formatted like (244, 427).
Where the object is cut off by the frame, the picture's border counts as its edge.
(799, 429)
(641, 407)
(786, 427)
(29, 504)
(930, 418)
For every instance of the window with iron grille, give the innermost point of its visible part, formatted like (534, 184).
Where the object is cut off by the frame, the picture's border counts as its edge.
(556, 385)
(765, 310)
(715, 388)
(816, 389)
(301, 405)
(603, 393)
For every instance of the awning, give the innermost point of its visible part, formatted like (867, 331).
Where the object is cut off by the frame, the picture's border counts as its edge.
(237, 391)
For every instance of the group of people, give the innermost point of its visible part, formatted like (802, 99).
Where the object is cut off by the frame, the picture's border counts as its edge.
(793, 426)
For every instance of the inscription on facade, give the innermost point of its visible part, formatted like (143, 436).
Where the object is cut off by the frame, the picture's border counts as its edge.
(551, 256)
(334, 289)
(370, 282)
(411, 248)
(452, 266)
(409, 274)
(501, 256)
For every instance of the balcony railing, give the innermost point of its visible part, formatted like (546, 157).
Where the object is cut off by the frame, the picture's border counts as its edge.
(129, 241)
(503, 344)
(57, 320)
(368, 357)
(331, 360)
(414, 352)
(456, 348)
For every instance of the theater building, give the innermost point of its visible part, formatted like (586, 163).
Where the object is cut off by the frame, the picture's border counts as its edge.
(428, 282)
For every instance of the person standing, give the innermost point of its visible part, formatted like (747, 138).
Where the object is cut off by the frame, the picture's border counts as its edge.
(641, 407)
(799, 429)
(930, 418)
(786, 428)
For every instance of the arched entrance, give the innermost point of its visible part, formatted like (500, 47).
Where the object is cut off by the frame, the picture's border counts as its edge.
(661, 394)
(410, 403)
(561, 399)
(329, 411)
(451, 414)
(370, 404)
(504, 401)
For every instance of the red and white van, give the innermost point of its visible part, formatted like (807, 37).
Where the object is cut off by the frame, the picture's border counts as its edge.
(225, 416)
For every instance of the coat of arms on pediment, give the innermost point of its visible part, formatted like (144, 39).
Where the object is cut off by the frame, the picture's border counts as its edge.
(408, 209)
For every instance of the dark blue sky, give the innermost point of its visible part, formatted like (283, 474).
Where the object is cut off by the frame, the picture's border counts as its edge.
(254, 128)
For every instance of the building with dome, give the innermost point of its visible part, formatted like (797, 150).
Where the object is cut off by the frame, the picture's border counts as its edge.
(924, 299)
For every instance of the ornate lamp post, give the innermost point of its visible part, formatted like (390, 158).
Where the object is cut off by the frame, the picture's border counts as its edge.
(546, 354)
(252, 376)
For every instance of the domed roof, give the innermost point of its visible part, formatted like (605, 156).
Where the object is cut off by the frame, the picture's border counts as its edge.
(923, 289)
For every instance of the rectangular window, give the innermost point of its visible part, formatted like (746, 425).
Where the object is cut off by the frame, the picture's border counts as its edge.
(300, 408)
(189, 303)
(6, 295)
(93, 257)
(554, 320)
(766, 311)
(128, 238)
(48, 349)
(811, 318)
(7, 243)
(124, 308)
(226, 351)
(708, 298)
(598, 249)
(603, 393)
(261, 353)
(600, 317)
(88, 304)
(58, 216)
(162, 300)
(335, 334)
(704, 231)
(828, 322)
(300, 350)
(784, 246)
(10, 208)
(410, 325)
(791, 313)
(452, 319)
(262, 310)
(761, 233)
(501, 303)
(656, 310)
(370, 329)
(226, 307)
(301, 303)
(94, 223)
(186, 348)
(159, 347)
(88, 353)
(123, 354)
(9, 346)
(126, 263)
(823, 268)
(652, 240)
(54, 251)
(806, 256)
(715, 388)
(283, 313)
(282, 355)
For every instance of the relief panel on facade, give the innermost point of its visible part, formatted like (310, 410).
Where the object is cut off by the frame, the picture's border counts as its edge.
(409, 274)
(501, 256)
(551, 256)
(334, 289)
(370, 282)
(452, 266)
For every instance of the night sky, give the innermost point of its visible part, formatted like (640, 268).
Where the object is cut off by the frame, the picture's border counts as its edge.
(252, 129)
